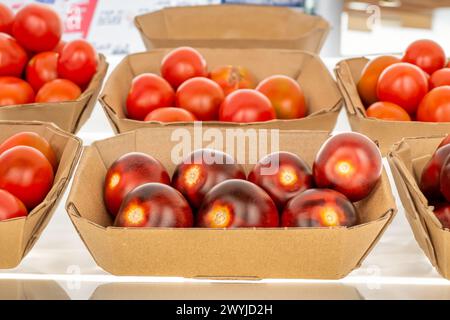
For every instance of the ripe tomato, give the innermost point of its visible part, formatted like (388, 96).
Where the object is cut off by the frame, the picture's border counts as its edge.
(246, 105)
(31, 139)
(286, 96)
(387, 111)
(59, 47)
(41, 69)
(148, 92)
(6, 18)
(15, 91)
(11, 207)
(170, 115)
(445, 180)
(445, 142)
(367, 84)
(435, 106)
(231, 78)
(426, 54)
(430, 183)
(58, 90)
(27, 174)
(37, 27)
(440, 78)
(442, 212)
(77, 62)
(13, 57)
(200, 96)
(182, 64)
(403, 84)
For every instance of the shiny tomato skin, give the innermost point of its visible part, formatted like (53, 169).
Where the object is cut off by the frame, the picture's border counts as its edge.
(442, 212)
(349, 163)
(148, 92)
(58, 90)
(430, 179)
(181, 64)
(237, 204)
(440, 78)
(15, 91)
(170, 115)
(445, 179)
(154, 205)
(246, 105)
(37, 27)
(286, 96)
(387, 111)
(435, 106)
(403, 84)
(128, 172)
(42, 68)
(59, 47)
(426, 54)
(321, 208)
(231, 78)
(13, 57)
(445, 141)
(11, 207)
(200, 96)
(6, 18)
(27, 174)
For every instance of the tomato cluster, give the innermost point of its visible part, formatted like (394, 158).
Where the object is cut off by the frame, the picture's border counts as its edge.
(186, 91)
(415, 87)
(27, 166)
(35, 64)
(210, 189)
(435, 182)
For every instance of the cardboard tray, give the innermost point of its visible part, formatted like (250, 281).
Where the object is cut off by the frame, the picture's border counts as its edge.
(407, 160)
(18, 236)
(232, 26)
(322, 94)
(70, 115)
(386, 133)
(322, 253)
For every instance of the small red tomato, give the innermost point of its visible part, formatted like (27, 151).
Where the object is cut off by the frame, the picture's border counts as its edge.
(154, 205)
(42, 68)
(237, 204)
(445, 141)
(11, 207)
(442, 212)
(403, 84)
(15, 91)
(170, 115)
(78, 62)
(440, 78)
(58, 90)
(27, 174)
(426, 54)
(246, 105)
(13, 57)
(387, 111)
(200, 96)
(283, 175)
(286, 96)
(445, 179)
(37, 27)
(6, 18)
(349, 163)
(430, 178)
(148, 92)
(202, 170)
(128, 172)
(232, 78)
(435, 106)
(319, 208)
(182, 64)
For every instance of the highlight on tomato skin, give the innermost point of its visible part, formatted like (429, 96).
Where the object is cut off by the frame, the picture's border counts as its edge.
(442, 212)
(430, 179)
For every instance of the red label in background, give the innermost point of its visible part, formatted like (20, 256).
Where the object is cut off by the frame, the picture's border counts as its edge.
(79, 17)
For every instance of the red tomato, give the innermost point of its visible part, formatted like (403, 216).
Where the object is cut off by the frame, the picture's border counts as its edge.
(403, 84)
(59, 47)
(41, 69)
(170, 115)
(387, 111)
(426, 54)
(27, 174)
(37, 27)
(13, 57)
(6, 19)
(231, 78)
(148, 92)
(200, 96)
(78, 62)
(31, 139)
(442, 212)
(246, 105)
(445, 142)
(15, 91)
(286, 96)
(430, 178)
(440, 78)
(58, 90)
(445, 179)
(435, 106)
(182, 64)
(11, 207)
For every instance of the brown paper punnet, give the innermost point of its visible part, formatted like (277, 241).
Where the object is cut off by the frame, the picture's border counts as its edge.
(322, 94)
(70, 115)
(386, 133)
(323, 253)
(232, 26)
(17, 236)
(407, 160)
